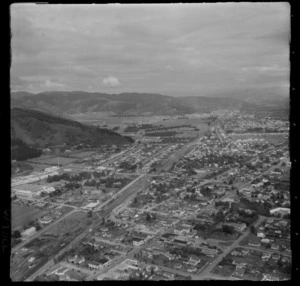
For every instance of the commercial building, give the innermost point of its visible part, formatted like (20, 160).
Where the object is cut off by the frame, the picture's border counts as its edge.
(31, 190)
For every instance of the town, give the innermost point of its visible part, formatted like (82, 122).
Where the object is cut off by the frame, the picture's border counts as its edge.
(195, 197)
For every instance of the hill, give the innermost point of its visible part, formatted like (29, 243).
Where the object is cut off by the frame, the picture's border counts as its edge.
(69, 103)
(32, 130)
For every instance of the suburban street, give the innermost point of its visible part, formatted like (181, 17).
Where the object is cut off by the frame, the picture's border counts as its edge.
(228, 250)
(43, 230)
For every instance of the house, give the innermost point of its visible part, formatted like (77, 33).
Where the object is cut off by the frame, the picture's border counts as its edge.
(79, 261)
(169, 256)
(169, 275)
(31, 259)
(285, 259)
(275, 256)
(266, 255)
(72, 259)
(180, 241)
(209, 251)
(194, 261)
(240, 270)
(261, 234)
(265, 240)
(268, 277)
(235, 253)
(238, 226)
(29, 232)
(254, 243)
(244, 264)
(137, 241)
(275, 246)
(131, 262)
(95, 265)
(177, 266)
(191, 269)
(45, 220)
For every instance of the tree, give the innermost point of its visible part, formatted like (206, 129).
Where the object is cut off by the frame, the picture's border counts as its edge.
(220, 216)
(16, 234)
(148, 217)
(89, 214)
(228, 229)
(253, 229)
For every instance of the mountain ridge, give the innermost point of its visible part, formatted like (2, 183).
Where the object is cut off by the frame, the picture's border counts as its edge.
(134, 103)
(35, 129)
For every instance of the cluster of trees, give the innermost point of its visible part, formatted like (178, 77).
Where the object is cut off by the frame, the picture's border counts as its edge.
(170, 127)
(98, 175)
(190, 171)
(72, 186)
(216, 173)
(16, 234)
(259, 208)
(135, 128)
(206, 192)
(91, 255)
(219, 217)
(202, 227)
(222, 204)
(175, 139)
(150, 217)
(127, 166)
(285, 268)
(21, 151)
(68, 177)
(228, 229)
(161, 134)
(92, 183)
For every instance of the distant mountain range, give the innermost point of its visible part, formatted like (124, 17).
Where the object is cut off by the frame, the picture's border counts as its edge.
(70, 103)
(32, 130)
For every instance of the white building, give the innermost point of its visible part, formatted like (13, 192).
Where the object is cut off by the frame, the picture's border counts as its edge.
(29, 232)
(91, 206)
(280, 210)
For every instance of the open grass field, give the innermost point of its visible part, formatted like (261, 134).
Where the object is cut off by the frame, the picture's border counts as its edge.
(69, 224)
(197, 122)
(21, 215)
(101, 118)
(82, 154)
(54, 161)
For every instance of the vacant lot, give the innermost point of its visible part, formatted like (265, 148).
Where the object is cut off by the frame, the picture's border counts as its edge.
(22, 215)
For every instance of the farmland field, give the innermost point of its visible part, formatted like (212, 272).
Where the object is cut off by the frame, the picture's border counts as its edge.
(22, 215)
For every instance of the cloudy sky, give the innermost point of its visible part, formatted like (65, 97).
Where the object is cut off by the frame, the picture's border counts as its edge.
(168, 49)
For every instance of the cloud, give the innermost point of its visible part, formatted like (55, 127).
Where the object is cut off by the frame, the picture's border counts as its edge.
(152, 48)
(111, 81)
(50, 85)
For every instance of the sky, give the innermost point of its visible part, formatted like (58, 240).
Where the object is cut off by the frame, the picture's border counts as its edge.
(171, 49)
